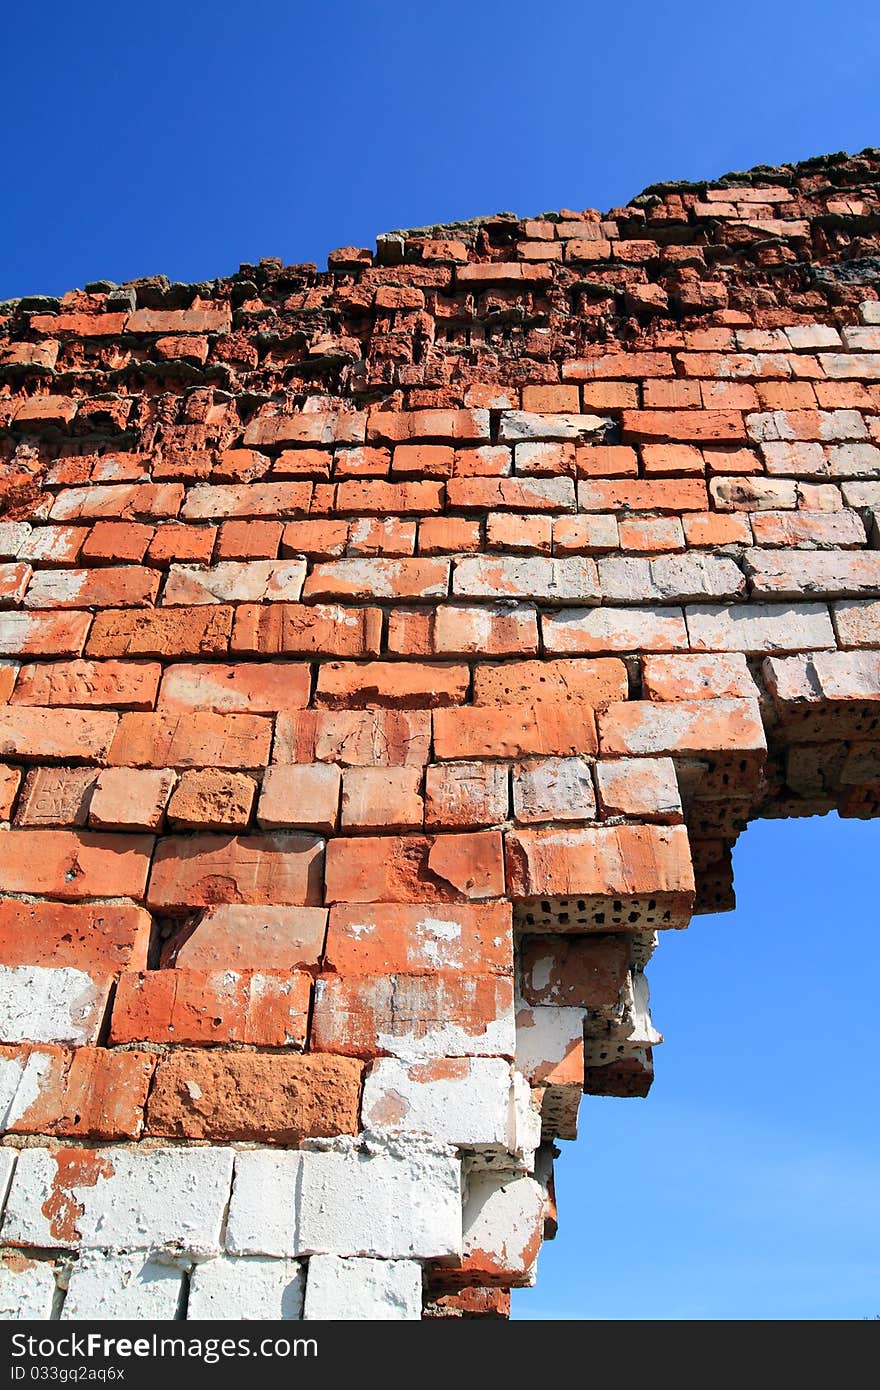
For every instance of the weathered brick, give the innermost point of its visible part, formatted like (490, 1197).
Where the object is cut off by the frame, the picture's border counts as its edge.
(648, 727)
(355, 738)
(759, 627)
(43, 634)
(195, 1007)
(319, 629)
(645, 788)
(208, 503)
(119, 502)
(553, 789)
(248, 687)
(236, 937)
(367, 939)
(835, 574)
(415, 868)
(414, 1016)
(379, 578)
(697, 677)
(605, 861)
(88, 1093)
(448, 630)
(574, 630)
(33, 734)
(122, 684)
(643, 495)
(74, 864)
(98, 938)
(178, 632)
(231, 581)
(199, 739)
(586, 972)
(129, 799)
(263, 870)
(550, 581)
(594, 683)
(390, 684)
(465, 795)
(394, 427)
(56, 796)
(552, 728)
(209, 799)
(381, 798)
(282, 1098)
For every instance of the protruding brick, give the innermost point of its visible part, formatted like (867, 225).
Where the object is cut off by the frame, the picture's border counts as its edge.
(70, 865)
(411, 938)
(126, 799)
(415, 868)
(209, 799)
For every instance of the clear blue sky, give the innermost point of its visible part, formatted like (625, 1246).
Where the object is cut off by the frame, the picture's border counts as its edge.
(188, 137)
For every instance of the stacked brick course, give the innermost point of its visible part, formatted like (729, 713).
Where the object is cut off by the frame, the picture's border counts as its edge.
(387, 655)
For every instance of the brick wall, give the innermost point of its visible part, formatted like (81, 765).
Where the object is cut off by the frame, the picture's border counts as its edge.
(387, 656)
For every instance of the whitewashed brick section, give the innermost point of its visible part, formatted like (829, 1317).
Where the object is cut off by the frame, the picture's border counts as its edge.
(7, 1163)
(363, 1290)
(263, 1210)
(172, 1199)
(52, 1005)
(27, 1289)
(457, 1100)
(21, 1080)
(112, 1287)
(504, 1218)
(251, 1288)
(394, 1200)
(546, 1035)
(252, 581)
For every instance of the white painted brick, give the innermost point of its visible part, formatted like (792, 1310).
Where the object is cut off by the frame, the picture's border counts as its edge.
(504, 1223)
(391, 1199)
(27, 1288)
(13, 535)
(21, 1080)
(457, 1100)
(7, 1163)
(363, 1290)
(53, 1005)
(870, 311)
(520, 424)
(125, 1199)
(262, 1212)
(546, 1036)
(250, 1289)
(113, 1287)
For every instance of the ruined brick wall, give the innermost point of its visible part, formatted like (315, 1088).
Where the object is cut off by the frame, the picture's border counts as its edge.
(389, 655)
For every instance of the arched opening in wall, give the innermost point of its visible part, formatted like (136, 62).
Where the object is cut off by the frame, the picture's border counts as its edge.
(745, 1184)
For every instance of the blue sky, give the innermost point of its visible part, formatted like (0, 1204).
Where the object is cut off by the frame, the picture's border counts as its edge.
(186, 138)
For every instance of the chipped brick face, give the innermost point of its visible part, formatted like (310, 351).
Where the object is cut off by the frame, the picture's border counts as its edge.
(387, 656)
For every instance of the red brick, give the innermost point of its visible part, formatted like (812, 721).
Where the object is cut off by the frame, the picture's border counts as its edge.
(71, 864)
(321, 540)
(282, 1098)
(551, 398)
(594, 683)
(502, 273)
(311, 427)
(381, 536)
(45, 411)
(175, 543)
(184, 347)
(651, 535)
(450, 535)
(415, 868)
(389, 937)
(56, 796)
(248, 540)
(303, 463)
(606, 461)
(125, 799)
(643, 788)
(208, 799)
(584, 535)
(98, 938)
(170, 632)
(122, 684)
(207, 503)
(644, 495)
(626, 366)
(124, 586)
(700, 426)
(43, 634)
(511, 494)
(578, 972)
(646, 727)
(671, 458)
(79, 325)
(461, 796)
(551, 728)
(393, 427)
(671, 395)
(119, 502)
(381, 798)
(198, 320)
(374, 1015)
(200, 739)
(422, 461)
(301, 796)
(373, 498)
(355, 738)
(505, 531)
(115, 542)
(486, 461)
(467, 631)
(609, 395)
(714, 529)
(10, 778)
(88, 1093)
(622, 861)
(361, 463)
(247, 687)
(379, 578)
(390, 685)
(319, 629)
(265, 870)
(697, 676)
(250, 938)
(203, 1007)
(546, 458)
(31, 734)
